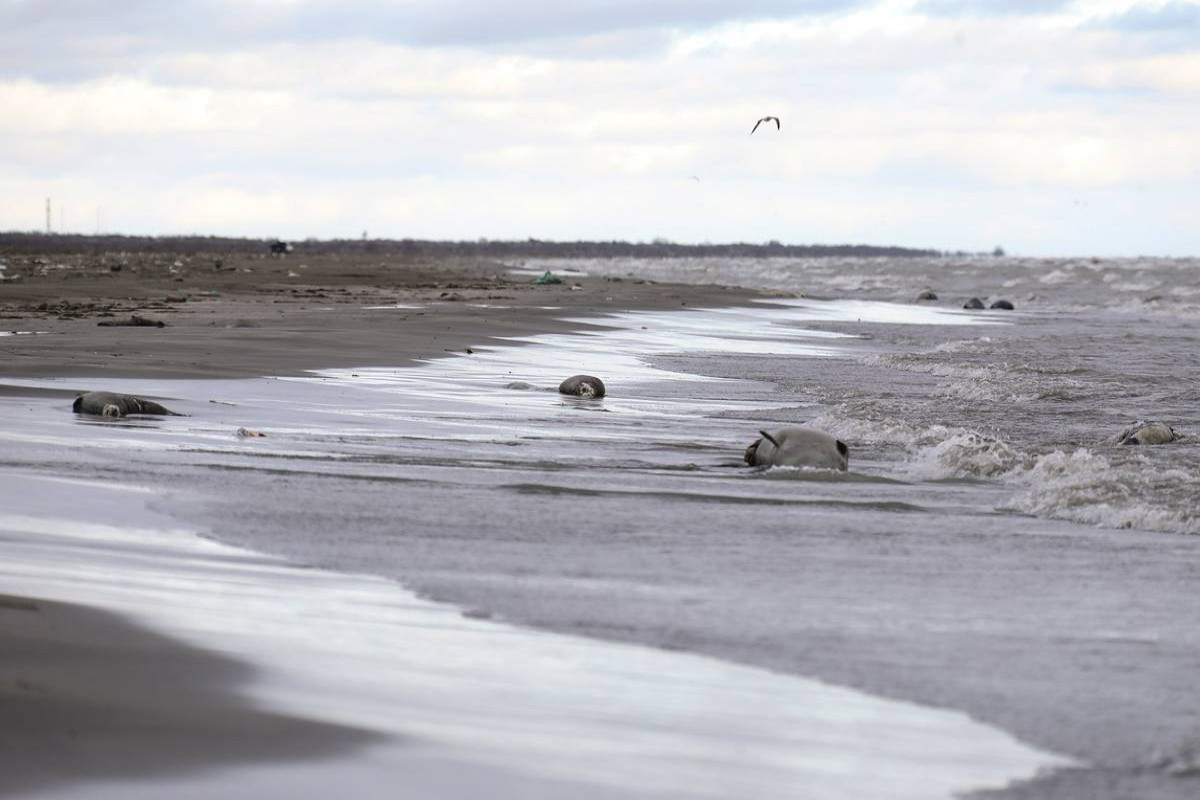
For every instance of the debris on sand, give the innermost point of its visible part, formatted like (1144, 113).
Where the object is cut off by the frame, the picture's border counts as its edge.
(133, 322)
(548, 278)
(243, 433)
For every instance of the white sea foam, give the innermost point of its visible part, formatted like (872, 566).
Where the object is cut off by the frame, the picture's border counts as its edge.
(964, 454)
(1086, 487)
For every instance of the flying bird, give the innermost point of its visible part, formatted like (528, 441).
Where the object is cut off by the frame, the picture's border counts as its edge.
(766, 119)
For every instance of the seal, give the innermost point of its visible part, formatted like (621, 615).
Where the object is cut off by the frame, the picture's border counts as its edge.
(928, 294)
(1004, 305)
(973, 303)
(107, 404)
(585, 386)
(798, 447)
(1146, 433)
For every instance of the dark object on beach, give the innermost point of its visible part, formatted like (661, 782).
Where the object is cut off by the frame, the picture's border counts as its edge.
(133, 322)
(243, 433)
(586, 386)
(548, 278)
(107, 404)
(765, 119)
(1147, 433)
(927, 295)
(798, 447)
(280, 248)
(973, 303)
(175, 298)
(1002, 304)
(519, 386)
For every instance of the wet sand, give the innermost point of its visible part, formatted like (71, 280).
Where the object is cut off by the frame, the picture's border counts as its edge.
(86, 695)
(230, 323)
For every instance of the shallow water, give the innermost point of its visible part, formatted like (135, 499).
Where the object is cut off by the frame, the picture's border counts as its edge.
(363, 652)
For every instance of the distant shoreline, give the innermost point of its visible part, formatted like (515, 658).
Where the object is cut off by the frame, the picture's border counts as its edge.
(28, 242)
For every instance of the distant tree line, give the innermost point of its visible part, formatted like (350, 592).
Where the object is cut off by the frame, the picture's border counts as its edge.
(24, 242)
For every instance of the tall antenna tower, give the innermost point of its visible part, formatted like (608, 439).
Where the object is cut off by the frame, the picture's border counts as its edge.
(47, 215)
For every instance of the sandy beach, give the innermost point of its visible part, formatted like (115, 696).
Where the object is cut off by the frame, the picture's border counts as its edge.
(963, 622)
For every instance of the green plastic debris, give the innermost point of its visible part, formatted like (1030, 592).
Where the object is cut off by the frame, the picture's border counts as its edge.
(549, 277)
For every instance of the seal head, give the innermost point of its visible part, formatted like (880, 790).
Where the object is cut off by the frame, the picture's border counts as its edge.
(588, 387)
(798, 447)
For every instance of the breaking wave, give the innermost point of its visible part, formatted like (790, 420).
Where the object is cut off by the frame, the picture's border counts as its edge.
(1083, 486)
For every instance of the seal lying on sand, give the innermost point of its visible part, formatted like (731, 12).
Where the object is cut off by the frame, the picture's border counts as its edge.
(1146, 433)
(798, 447)
(107, 404)
(586, 386)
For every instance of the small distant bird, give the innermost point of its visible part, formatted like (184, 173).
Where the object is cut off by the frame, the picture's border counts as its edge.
(766, 119)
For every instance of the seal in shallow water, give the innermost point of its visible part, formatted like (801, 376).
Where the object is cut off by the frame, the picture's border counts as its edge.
(1147, 433)
(586, 386)
(798, 447)
(107, 404)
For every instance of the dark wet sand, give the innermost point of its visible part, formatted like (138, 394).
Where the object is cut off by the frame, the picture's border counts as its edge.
(1126, 705)
(266, 323)
(86, 695)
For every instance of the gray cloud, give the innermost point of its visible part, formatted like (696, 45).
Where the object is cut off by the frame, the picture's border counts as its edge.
(990, 8)
(75, 40)
(71, 39)
(1174, 17)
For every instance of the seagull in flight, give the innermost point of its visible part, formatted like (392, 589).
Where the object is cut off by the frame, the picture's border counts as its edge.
(765, 119)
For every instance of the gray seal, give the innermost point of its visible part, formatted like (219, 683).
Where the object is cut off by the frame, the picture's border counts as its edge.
(1003, 305)
(107, 404)
(973, 303)
(586, 386)
(1147, 433)
(798, 447)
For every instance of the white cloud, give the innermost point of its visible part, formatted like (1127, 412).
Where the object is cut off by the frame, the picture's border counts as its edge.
(891, 117)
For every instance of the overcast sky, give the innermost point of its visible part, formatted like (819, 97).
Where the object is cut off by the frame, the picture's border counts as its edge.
(1050, 128)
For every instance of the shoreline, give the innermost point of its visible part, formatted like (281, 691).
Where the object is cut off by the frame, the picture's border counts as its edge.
(265, 323)
(368, 685)
(451, 320)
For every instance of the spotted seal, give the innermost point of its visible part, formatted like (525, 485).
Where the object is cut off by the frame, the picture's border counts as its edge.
(798, 447)
(585, 386)
(1146, 433)
(107, 404)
